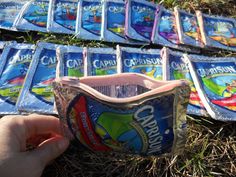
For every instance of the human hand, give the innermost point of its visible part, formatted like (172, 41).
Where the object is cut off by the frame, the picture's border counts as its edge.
(16, 132)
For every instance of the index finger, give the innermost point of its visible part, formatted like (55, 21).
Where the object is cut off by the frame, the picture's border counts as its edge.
(41, 124)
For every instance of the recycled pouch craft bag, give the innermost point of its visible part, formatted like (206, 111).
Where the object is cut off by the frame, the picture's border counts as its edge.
(127, 112)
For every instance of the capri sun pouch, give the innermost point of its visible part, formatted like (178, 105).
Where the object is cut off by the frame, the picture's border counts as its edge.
(89, 19)
(62, 16)
(217, 32)
(34, 16)
(100, 61)
(188, 28)
(147, 62)
(140, 16)
(164, 30)
(129, 113)
(14, 65)
(215, 80)
(37, 95)
(113, 21)
(9, 12)
(175, 67)
(70, 61)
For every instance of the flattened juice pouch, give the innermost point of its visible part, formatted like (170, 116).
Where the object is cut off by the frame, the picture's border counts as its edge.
(70, 61)
(175, 67)
(165, 29)
(89, 20)
(113, 27)
(140, 17)
(9, 12)
(101, 61)
(188, 28)
(14, 65)
(147, 62)
(34, 16)
(150, 122)
(215, 80)
(218, 32)
(37, 95)
(62, 16)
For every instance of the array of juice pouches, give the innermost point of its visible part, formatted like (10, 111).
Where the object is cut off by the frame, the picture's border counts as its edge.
(14, 65)
(27, 73)
(215, 80)
(121, 21)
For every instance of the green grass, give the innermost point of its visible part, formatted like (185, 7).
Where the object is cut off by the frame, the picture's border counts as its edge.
(210, 151)
(211, 146)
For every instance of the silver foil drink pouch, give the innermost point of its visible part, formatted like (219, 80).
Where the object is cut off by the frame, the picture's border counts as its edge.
(70, 61)
(140, 17)
(218, 32)
(129, 113)
(89, 19)
(34, 16)
(37, 94)
(62, 16)
(147, 62)
(188, 28)
(165, 31)
(14, 65)
(175, 67)
(9, 12)
(113, 26)
(101, 61)
(215, 80)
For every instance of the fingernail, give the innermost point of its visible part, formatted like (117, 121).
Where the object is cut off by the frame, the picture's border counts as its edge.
(63, 144)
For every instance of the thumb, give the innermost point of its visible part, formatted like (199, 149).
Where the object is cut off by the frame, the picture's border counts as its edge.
(49, 150)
